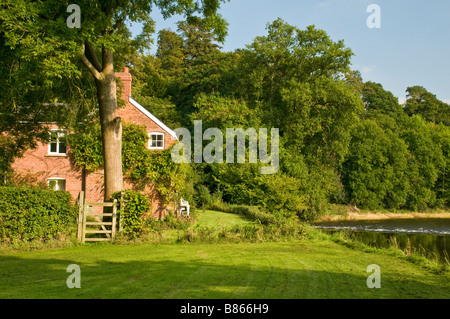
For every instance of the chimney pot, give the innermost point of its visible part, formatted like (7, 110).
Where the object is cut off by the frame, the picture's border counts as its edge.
(125, 70)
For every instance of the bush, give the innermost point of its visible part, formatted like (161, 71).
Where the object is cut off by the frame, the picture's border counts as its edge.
(133, 207)
(33, 213)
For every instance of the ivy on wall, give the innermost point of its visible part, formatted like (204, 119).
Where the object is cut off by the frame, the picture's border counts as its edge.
(140, 165)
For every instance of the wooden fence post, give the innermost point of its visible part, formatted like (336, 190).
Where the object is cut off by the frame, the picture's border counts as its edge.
(83, 232)
(80, 214)
(114, 216)
(120, 213)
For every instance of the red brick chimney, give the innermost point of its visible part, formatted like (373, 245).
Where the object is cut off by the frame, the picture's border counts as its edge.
(126, 80)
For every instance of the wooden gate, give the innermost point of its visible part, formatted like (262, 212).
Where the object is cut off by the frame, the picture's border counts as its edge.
(85, 227)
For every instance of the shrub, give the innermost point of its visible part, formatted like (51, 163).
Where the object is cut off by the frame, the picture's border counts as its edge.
(33, 213)
(133, 207)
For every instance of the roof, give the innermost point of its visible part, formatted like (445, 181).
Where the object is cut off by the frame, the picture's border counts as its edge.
(152, 117)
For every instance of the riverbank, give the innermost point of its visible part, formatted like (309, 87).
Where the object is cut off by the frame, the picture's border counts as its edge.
(344, 213)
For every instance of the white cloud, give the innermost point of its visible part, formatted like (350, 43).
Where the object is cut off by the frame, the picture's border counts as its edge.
(367, 70)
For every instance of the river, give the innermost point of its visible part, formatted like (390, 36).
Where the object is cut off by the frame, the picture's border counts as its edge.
(429, 237)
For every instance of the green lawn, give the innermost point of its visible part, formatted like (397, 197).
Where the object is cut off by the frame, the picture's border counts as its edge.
(303, 269)
(209, 218)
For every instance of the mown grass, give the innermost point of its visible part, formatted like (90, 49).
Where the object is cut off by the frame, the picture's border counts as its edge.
(313, 267)
(309, 268)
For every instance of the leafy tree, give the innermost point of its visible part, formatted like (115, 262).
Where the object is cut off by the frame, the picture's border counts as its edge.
(376, 99)
(200, 43)
(424, 163)
(171, 53)
(222, 112)
(202, 63)
(291, 79)
(322, 113)
(375, 169)
(41, 27)
(38, 81)
(421, 102)
(148, 80)
(296, 80)
(150, 88)
(441, 137)
(288, 53)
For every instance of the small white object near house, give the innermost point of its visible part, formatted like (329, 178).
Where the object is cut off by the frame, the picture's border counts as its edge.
(184, 207)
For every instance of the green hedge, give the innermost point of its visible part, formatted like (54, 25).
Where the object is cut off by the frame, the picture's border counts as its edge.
(34, 213)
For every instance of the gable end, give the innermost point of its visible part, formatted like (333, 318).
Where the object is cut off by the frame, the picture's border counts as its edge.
(153, 118)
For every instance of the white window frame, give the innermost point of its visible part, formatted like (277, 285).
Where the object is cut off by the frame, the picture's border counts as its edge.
(57, 186)
(150, 147)
(57, 153)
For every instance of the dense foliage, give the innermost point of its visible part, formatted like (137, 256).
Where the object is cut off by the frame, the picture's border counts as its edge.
(133, 207)
(34, 213)
(396, 160)
(343, 140)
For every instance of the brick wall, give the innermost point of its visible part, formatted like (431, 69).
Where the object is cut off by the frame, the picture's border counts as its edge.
(38, 162)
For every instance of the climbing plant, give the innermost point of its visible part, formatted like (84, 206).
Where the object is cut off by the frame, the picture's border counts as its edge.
(140, 165)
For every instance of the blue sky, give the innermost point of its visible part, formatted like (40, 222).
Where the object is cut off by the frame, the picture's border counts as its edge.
(412, 47)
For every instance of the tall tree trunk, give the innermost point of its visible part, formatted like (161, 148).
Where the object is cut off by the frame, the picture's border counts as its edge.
(111, 123)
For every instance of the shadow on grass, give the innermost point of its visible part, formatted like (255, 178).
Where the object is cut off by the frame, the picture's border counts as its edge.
(197, 279)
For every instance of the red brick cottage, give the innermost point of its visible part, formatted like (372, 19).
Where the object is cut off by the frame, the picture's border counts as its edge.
(51, 162)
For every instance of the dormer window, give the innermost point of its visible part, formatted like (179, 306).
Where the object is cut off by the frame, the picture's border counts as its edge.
(57, 145)
(156, 141)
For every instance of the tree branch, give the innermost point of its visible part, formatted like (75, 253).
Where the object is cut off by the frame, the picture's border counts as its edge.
(92, 57)
(95, 73)
(117, 24)
(107, 60)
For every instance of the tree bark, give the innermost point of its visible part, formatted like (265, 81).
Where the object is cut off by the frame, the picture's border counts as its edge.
(110, 122)
(111, 125)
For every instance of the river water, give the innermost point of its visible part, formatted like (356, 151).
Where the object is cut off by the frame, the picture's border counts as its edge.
(428, 237)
